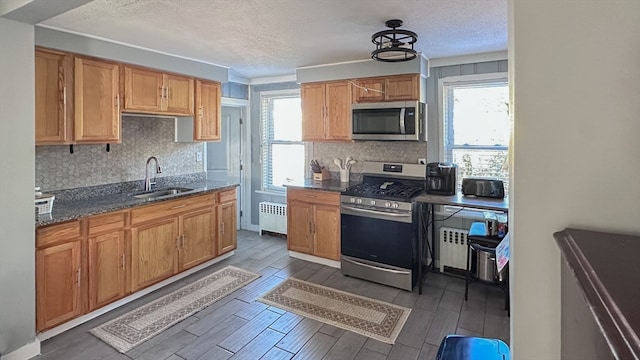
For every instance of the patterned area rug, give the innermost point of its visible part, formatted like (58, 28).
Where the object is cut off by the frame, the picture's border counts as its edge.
(136, 326)
(376, 319)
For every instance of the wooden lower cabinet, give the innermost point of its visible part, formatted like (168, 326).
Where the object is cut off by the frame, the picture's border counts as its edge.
(300, 227)
(85, 264)
(153, 252)
(198, 236)
(58, 284)
(107, 262)
(227, 240)
(313, 223)
(326, 231)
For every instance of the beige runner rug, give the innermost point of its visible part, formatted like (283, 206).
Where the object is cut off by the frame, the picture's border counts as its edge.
(373, 318)
(133, 328)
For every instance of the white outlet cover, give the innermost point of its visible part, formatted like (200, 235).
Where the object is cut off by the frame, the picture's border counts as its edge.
(199, 156)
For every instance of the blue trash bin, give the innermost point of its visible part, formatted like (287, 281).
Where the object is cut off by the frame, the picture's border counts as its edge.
(456, 347)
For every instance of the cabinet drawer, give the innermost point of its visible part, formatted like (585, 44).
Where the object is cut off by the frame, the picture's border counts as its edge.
(57, 233)
(314, 196)
(170, 208)
(108, 222)
(226, 195)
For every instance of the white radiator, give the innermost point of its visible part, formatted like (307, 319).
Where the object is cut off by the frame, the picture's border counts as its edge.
(453, 248)
(273, 217)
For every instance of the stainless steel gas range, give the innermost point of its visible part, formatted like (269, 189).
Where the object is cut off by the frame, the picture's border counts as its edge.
(379, 227)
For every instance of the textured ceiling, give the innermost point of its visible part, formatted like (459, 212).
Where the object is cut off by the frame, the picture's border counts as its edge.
(258, 38)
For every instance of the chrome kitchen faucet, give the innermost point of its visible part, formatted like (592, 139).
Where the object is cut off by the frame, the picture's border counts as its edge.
(147, 179)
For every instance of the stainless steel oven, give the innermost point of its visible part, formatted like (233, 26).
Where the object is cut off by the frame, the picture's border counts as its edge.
(379, 225)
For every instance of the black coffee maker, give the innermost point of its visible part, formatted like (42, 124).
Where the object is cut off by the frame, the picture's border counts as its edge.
(441, 178)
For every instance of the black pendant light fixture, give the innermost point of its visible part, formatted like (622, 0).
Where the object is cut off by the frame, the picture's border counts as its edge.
(394, 45)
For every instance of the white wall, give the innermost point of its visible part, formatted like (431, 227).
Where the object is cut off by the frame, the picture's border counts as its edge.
(17, 154)
(574, 69)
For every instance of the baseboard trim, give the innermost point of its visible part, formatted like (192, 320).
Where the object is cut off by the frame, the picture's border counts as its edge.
(94, 314)
(315, 259)
(28, 351)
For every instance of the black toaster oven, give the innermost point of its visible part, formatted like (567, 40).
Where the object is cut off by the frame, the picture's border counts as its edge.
(491, 188)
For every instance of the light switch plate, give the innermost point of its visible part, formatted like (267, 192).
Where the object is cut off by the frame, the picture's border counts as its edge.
(199, 156)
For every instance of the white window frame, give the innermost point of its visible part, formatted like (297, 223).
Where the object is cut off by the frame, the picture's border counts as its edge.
(264, 150)
(462, 80)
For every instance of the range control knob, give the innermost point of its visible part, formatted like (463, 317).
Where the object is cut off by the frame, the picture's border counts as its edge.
(396, 205)
(387, 204)
(373, 202)
(358, 201)
(352, 200)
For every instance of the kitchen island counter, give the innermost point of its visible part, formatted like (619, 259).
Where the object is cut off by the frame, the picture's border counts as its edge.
(76, 209)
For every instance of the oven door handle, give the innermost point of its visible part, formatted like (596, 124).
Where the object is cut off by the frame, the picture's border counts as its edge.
(374, 267)
(382, 213)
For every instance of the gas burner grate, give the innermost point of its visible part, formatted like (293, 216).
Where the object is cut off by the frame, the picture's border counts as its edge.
(383, 189)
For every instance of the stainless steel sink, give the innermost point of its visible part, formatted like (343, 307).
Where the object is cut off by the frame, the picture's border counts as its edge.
(161, 193)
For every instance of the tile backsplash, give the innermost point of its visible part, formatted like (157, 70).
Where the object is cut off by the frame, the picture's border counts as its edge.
(391, 151)
(89, 165)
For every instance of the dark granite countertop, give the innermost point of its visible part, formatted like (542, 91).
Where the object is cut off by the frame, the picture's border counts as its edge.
(327, 185)
(608, 272)
(79, 208)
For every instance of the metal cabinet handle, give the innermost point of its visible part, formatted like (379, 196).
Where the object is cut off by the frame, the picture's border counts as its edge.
(118, 101)
(178, 206)
(183, 242)
(122, 260)
(78, 277)
(222, 228)
(162, 92)
(64, 95)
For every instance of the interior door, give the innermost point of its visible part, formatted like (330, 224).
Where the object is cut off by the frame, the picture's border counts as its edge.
(224, 156)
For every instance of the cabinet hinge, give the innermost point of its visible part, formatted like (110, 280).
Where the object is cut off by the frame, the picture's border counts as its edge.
(240, 212)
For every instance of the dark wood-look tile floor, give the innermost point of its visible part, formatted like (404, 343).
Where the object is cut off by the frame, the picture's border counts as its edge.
(238, 327)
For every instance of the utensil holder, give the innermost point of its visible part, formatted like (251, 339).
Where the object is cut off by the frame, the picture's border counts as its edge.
(321, 176)
(344, 175)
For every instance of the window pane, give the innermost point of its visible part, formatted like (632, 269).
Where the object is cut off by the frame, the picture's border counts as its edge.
(287, 119)
(287, 163)
(482, 163)
(480, 114)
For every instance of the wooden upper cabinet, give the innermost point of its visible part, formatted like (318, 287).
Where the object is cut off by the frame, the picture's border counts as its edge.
(179, 95)
(312, 98)
(369, 90)
(338, 111)
(144, 90)
(227, 240)
(388, 88)
(207, 111)
(54, 90)
(403, 87)
(326, 111)
(97, 101)
(152, 92)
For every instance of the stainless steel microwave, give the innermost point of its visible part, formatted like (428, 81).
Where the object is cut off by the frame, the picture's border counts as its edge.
(398, 120)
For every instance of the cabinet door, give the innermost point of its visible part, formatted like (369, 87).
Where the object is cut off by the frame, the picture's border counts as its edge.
(143, 90)
(57, 284)
(106, 269)
(403, 87)
(154, 254)
(326, 230)
(227, 240)
(338, 111)
(207, 117)
(369, 90)
(300, 227)
(198, 237)
(312, 97)
(97, 102)
(53, 74)
(179, 95)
